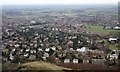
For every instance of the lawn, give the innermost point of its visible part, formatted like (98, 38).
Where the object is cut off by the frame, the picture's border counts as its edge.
(112, 46)
(98, 29)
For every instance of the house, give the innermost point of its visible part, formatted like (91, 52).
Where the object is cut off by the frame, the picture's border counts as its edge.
(16, 45)
(74, 37)
(35, 45)
(46, 55)
(26, 55)
(33, 22)
(27, 50)
(85, 61)
(70, 44)
(71, 49)
(66, 60)
(98, 61)
(117, 28)
(13, 49)
(56, 60)
(113, 56)
(32, 57)
(83, 49)
(31, 44)
(32, 51)
(11, 57)
(112, 40)
(39, 49)
(44, 58)
(75, 60)
(47, 49)
(108, 27)
(53, 48)
(96, 53)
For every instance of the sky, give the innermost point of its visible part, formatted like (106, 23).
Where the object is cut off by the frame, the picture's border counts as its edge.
(18, 2)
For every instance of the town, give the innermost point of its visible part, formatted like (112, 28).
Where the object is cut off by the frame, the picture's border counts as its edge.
(89, 35)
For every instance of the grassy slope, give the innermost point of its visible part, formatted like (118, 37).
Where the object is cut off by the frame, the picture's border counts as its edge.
(33, 67)
(40, 65)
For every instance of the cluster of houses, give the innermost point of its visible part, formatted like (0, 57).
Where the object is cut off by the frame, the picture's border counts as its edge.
(112, 27)
(52, 45)
(58, 37)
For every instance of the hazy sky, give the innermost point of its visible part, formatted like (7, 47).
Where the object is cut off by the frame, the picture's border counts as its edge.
(13, 2)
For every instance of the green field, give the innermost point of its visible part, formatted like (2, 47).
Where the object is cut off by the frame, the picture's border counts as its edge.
(112, 46)
(98, 29)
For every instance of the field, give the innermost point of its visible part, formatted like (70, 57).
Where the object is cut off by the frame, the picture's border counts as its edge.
(112, 46)
(98, 29)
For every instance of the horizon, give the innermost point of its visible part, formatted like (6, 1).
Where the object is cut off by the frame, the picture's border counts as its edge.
(56, 2)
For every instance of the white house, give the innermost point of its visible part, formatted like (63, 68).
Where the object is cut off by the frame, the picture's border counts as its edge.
(31, 44)
(71, 49)
(75, 60)
(47, 49)
(44, 58)
(46, 55)
(16, 45)
(53, 48)
(83, 49)
(13, 49)
(66, 60)
(112, 39)
(32, 22)
(112, 56)
(116, 27)
(40, 49)
(25, 55)
(12, 57)
(27, 50)
(32, 51)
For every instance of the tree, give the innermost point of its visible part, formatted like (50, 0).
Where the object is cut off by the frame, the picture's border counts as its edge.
(119, 60)
(75, 43)
(119, 56)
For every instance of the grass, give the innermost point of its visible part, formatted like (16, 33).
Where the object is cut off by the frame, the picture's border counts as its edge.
(40, 65)
(34, 66)
(112, 46)
(98, 29)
